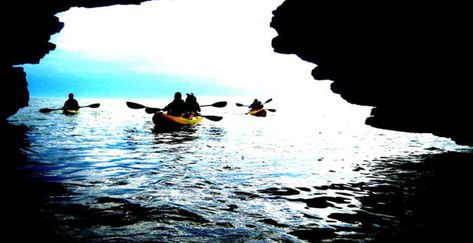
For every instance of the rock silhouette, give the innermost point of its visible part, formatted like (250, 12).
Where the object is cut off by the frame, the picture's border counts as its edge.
(26, 28)
(409, 61)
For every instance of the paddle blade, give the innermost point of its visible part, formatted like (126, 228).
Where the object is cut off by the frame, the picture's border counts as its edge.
(151, 110)
(217, 104)
(220, 104)
(268, 100)
(213, 118)
(272, 110)
(134, 105)
(238, 104)
(45, 110)
(96, 105)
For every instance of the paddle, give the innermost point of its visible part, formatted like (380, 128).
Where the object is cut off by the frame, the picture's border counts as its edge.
(46, 110)
(96, 105)
(152, 110)
(149, 110)
(134, 105)
(269, 100)
(212, 118)
(219, 104)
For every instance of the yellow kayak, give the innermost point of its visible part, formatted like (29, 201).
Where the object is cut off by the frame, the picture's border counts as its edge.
(163, 120)
(259, 112)
(70, 112)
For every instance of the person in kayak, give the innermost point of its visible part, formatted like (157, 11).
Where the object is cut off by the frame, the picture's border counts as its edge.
(176, 107)
(71, 103)
(256, 105)
(191, 106)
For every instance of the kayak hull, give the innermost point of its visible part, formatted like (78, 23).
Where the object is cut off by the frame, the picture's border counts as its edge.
(260, 112)
(70, 112)
(165, 121)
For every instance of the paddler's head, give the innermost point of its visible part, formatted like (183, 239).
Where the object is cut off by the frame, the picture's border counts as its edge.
(177, 96)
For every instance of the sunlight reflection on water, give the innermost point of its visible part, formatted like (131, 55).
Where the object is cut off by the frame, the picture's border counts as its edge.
(244, 177)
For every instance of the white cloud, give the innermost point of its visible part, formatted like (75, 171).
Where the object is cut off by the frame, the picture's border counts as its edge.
(224, 40)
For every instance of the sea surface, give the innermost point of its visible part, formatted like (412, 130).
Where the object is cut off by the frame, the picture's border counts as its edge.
(318, 175)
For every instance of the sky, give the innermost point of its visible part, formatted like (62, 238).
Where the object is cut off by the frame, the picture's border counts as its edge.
(219, 48)
(209, 47)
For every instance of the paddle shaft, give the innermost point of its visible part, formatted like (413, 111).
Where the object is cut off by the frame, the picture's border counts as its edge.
(96, 105)
(269, 100)
(152, 110)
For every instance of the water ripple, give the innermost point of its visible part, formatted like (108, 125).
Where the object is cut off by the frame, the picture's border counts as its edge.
(241, 179)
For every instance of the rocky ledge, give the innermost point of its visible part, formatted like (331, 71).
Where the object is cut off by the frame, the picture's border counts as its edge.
(411, 62)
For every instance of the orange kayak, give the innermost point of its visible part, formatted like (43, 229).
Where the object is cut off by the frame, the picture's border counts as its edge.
(260, 112)
(163, 120)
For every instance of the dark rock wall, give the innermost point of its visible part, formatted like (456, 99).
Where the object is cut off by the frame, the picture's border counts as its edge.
(410, 61)
(14, 90)
(25, 29)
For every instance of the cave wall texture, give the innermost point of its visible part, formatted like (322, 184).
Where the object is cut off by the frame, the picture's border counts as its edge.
(409, 61)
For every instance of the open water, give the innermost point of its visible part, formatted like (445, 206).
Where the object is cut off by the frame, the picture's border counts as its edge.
(105, 176)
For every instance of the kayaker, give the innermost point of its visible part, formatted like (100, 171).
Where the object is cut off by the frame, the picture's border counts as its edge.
(191, 106)
(256, 105)
(71, 103)
(176, 107)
